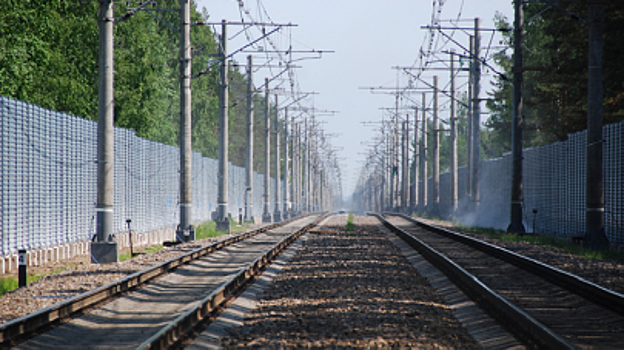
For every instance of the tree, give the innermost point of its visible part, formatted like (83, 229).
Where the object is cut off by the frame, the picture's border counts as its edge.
(49, 57)
(555, 86)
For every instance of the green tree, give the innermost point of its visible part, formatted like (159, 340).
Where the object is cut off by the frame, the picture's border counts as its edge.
(555, 86)
(49, 57)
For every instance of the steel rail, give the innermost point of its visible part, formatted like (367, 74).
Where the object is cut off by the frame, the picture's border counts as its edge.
(176, 330)
(593, 292)
(515, 320)
(24, 326)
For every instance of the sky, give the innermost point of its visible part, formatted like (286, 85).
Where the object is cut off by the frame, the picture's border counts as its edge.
(368, 38)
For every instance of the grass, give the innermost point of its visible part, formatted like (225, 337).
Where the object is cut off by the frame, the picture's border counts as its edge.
(544, 240)
(350, 225)
(10, 283)
(7, 284)
(126, 256)
(209, 229)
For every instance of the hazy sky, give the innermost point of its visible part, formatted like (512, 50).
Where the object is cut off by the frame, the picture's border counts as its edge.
(369, 37)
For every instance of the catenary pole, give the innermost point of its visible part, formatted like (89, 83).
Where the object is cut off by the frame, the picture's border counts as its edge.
(299, 170)
(104, 250)
(223, 221)
(423, 158)
(414, 194)
(306, 166)
(476, 114)
(286, 211)
(405, 167)
(296, 168)
(435, 191)
(384, 168)
(453, 120)
(277, 215)
(516, 225)
(595, 205)
(184, 231)
(469, 124)
(250, 143)
(266, 214)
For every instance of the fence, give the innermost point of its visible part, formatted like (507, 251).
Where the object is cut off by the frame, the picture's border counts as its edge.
(553, 185)
(48, 180)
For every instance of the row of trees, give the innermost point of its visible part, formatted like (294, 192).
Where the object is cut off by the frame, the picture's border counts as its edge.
(49, 57)
(555, 86)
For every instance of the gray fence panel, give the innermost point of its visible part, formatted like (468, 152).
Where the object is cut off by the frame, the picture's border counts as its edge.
(614, 181)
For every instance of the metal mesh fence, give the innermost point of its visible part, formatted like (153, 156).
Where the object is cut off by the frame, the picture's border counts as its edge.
(48, 180)
(553, 187)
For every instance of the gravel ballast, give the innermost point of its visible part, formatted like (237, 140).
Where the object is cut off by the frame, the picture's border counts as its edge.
(350, 289)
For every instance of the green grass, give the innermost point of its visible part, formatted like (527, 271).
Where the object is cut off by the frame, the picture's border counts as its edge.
(126, 256)
(7, 284)
(544, 240)
(350, 224)
(10, 283)
(209, 229)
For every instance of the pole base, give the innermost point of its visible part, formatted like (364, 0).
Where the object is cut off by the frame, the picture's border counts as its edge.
(223, 225)
(277, 217)
(104, 252)
(516, 227)
(266, 218)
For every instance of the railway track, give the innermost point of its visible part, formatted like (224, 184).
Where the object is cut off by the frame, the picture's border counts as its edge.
(542, 306)
(156, 307)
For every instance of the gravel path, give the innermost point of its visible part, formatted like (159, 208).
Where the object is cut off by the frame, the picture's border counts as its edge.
(350, 290)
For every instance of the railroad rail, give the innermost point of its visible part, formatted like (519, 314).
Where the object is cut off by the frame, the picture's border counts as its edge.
(23, 328)
(528, 323)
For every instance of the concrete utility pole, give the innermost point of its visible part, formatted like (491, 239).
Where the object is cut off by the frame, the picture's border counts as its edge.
(286, 211)
(391, 154)
(405, 167)
(308, 168)
(250, 143)
(266, 214)
(299, 172)
(296, 169)
(469, 124)
(185, 231)
(423, 157)
(476, 115)
(453, 120)
(384, 169)
(435, 191)
(414, 194)
(517, 199)
(313, 194)
(277, 216)
(304, 166)
(104, 250)
(223, 221)
(594, 218)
